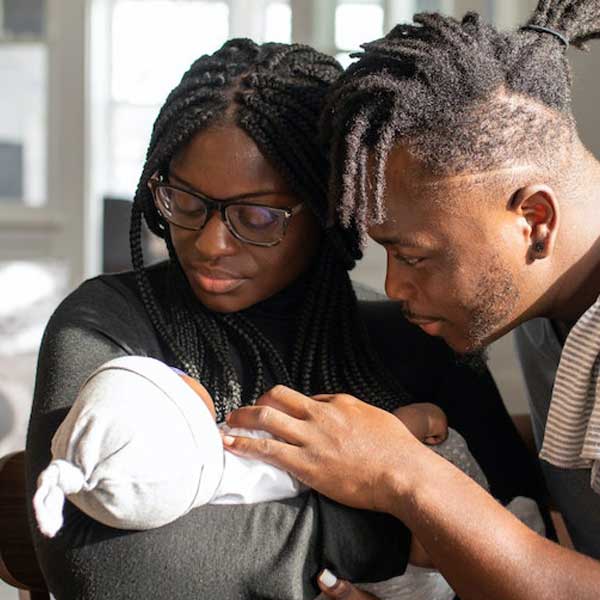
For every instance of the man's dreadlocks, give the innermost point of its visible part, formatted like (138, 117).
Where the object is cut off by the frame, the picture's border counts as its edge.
(458, 95)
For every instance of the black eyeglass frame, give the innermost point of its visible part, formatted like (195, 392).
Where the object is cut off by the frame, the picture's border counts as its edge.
(156, 182)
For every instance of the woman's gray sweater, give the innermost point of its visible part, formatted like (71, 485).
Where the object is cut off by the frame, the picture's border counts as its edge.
(271, 550)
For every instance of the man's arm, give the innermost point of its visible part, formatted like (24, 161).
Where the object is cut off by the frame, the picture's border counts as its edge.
(362, 456)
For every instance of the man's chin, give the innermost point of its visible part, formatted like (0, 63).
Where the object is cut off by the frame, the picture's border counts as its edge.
(469, 351)
(462, 344)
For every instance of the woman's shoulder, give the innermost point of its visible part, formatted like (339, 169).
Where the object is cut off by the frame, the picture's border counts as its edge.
(108, 291)
(109, 304)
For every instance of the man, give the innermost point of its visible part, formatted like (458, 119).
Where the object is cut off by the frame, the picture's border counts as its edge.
(454, 146)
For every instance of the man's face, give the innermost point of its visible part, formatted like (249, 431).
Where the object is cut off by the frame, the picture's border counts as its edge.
(454, 255)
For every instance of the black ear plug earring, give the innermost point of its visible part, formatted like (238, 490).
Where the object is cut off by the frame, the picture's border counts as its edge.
(539, 247)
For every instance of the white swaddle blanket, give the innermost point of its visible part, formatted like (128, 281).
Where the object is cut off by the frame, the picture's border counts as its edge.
(139, 449)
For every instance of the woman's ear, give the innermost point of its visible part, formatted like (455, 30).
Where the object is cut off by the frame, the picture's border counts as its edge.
(537, 205)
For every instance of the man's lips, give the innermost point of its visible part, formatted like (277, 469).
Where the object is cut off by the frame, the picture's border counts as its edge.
(422, 320)
(430, 325)
(217, 281)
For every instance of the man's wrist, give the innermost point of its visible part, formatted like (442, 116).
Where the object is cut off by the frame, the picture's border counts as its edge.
(401, 483)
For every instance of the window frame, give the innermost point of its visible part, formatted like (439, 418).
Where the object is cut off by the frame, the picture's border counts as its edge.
(58, 228)
(68, 226)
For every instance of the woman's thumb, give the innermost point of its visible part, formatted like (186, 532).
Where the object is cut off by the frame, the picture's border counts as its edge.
(332, 587)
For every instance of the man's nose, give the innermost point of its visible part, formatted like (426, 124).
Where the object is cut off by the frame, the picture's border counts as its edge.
(398, 282)
(215, 240)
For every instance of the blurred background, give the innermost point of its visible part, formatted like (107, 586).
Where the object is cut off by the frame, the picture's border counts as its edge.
(81, 83)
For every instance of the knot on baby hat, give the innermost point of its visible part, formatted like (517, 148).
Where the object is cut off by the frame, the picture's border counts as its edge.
(144, 445)
(58, 480)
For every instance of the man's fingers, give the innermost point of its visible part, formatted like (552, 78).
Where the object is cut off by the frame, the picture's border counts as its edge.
(286, 400)
(333, 587)
(323, 397)
(266, 418)
(274, 452)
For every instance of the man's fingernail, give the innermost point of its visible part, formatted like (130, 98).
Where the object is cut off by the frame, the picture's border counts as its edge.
(228, 440)
(327, 578)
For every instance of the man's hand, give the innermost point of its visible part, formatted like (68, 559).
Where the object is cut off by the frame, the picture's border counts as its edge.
(332, 587)
(336, 444)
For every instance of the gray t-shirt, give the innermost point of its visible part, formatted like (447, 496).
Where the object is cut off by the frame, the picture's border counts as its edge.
(539, 349)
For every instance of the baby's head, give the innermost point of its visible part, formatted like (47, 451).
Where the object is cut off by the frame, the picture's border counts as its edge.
(200, 390)
(106, 458)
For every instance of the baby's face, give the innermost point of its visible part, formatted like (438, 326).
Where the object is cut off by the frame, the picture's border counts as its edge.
(202, 392)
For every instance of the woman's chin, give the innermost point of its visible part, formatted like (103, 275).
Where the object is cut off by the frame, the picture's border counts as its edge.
(229, 302)
(222, 303)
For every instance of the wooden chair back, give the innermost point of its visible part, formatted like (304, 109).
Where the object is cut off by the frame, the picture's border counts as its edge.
(18, 563)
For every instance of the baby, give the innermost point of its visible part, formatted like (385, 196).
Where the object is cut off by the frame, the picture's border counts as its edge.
(138, 450)
(124, 453)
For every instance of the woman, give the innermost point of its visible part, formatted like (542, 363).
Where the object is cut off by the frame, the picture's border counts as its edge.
(256, 292)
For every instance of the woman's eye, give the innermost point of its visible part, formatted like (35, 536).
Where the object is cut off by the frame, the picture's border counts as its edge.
(256, 217)
(186, 203)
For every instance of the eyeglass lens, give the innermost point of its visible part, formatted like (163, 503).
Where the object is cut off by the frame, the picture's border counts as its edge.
(260, 224)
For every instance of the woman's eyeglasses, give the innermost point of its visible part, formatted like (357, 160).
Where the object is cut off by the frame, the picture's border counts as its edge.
(251, 223)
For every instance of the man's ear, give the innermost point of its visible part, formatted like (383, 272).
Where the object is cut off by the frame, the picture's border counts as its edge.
(537, 205)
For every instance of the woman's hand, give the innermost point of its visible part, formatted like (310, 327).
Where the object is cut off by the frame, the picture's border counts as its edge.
(332, 587)
(336, 444)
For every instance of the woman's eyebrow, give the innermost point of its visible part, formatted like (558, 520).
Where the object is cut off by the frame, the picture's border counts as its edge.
(229, 198)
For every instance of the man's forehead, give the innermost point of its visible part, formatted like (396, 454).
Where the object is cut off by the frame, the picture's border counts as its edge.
(403, 170)
(403, 232)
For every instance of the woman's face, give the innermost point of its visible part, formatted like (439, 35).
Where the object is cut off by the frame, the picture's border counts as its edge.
(226, 274)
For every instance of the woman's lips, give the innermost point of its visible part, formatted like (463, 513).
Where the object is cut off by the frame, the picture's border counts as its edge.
(217, 282)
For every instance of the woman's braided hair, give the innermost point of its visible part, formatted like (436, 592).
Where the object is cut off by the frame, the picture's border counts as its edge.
(274, 92)
(459, 96)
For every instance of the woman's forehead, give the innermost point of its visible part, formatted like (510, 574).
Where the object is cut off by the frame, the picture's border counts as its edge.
(225, 161)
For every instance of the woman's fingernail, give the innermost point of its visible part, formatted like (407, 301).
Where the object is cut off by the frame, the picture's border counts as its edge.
(228, 440)
(327, 578)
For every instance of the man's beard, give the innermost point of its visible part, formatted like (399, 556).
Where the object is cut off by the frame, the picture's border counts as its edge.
(490, 306)
(496, 295)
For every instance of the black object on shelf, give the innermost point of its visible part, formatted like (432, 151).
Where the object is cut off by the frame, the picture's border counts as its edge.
(11, 171)
(115, 238)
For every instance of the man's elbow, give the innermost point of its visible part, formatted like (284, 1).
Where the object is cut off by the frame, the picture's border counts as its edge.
(418, 556)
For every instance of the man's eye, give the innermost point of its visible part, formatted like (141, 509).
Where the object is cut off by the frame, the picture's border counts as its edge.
(409, 261)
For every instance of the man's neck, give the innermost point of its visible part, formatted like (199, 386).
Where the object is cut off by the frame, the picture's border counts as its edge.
(578, 286)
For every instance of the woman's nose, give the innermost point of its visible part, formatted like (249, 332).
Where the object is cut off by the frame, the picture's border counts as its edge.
(215, 240)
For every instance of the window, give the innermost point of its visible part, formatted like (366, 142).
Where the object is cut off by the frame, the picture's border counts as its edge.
(359, 21)
(278, 23)
(23, 72)
(152, 43)
(355, 23)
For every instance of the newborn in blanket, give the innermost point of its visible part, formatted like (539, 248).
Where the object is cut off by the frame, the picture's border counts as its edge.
(139, 449)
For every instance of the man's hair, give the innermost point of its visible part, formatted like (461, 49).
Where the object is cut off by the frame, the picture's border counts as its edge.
(459, 96)
(274, 92)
